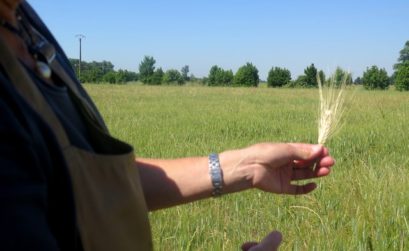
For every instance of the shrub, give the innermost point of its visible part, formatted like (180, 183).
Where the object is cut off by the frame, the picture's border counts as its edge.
(310, 79)
(157, 77)
(173, 76)
(301, 81)
(247, 75)
(110, 77)
(340, 76)
(146, 69)
(402, 78)
(375, 78)
(219, 77)
(278, 77)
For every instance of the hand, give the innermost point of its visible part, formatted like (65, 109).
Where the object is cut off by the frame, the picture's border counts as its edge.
(273, 167)
(269, 243)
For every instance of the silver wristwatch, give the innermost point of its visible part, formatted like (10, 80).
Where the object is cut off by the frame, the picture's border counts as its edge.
(216, 174)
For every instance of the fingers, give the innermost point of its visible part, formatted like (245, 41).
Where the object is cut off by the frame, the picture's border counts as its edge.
(270, 243)
(308, 173)
(299, 189)
(326, 152)
(299, 151)
(322, 171)
(326, 161)
(303, 174)
(304, 169)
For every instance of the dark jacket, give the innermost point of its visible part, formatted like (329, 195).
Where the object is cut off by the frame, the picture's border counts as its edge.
(36, 199)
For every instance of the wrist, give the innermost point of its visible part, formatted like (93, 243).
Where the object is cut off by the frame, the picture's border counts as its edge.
(237, 174)
(216, 174)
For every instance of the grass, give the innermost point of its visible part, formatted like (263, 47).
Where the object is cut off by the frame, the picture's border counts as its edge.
(362, 205)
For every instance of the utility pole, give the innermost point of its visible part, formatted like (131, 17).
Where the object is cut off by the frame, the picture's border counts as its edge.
(80, 37)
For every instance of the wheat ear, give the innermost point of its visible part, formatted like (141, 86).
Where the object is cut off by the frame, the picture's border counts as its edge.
(332, 101)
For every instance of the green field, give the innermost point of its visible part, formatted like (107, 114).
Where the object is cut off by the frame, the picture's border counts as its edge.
(362, 205)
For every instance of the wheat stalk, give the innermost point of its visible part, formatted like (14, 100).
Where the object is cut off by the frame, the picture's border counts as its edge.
(332, 101)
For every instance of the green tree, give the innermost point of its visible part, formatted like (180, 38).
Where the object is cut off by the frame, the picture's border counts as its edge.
(110, 77)
(146, 69)
(393, 77)
(119, 77)
(122, 76)
(375, 78)
(358, 81)
(212, 79)
(278, 77)
(74, 64)
(133, 76)
(311, 76)
(193, 78)
(402, 78)
(92, 74)
(157, 77)
(219, 77)
(226, 78)
(173, 77)
(322, 76)
(96, 72)
(105, 66)
(185, 72)
(247, 75)
(301, 81)
(340, 75)
(403, 56)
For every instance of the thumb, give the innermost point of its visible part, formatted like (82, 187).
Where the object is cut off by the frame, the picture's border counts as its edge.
(300, 151)
(270, 243)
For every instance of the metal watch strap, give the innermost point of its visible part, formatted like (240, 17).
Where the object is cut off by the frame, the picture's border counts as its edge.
(216, 174)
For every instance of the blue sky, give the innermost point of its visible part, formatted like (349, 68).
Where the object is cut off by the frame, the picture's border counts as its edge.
(353, 34)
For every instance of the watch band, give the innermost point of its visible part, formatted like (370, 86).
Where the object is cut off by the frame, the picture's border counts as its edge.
(216, 174)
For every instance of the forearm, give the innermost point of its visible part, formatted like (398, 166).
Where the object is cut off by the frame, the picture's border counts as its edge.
(172, 182)
(266, 166)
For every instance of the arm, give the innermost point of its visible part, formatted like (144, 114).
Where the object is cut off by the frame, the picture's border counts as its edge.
(269, 167)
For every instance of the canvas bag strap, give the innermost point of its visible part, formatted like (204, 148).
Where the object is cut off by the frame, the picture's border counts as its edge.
(29, 91)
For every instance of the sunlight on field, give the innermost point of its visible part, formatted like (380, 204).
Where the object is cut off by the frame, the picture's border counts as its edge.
(362, 205)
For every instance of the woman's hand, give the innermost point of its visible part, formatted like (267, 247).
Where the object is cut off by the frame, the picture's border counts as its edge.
(274, 167)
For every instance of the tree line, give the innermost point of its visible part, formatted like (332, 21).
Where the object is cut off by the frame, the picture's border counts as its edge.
(247, 75)
(101, 72)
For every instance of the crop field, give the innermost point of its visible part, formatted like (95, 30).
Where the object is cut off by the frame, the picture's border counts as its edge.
(362, 205)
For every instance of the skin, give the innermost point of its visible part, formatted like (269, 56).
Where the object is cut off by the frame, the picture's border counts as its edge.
(269, 167)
